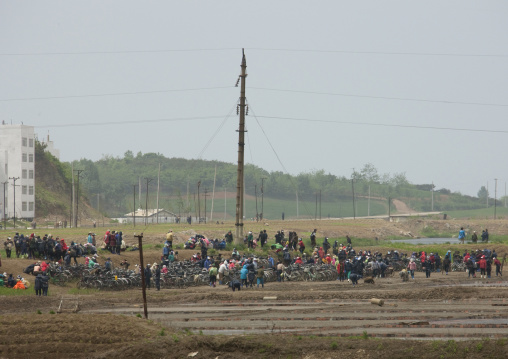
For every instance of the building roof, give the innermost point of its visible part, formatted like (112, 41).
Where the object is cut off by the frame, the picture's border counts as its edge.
(150, 213)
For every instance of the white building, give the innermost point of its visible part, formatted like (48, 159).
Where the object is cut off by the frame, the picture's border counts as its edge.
(50, 147)
(17, 166)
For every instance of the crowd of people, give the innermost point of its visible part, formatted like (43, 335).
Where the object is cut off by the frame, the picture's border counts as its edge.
(349, 263)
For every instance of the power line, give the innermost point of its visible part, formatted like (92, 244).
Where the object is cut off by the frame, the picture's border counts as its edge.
(295, 187)
(155, 51)
(127, 122)
(379, 52)
(113, 52)
(384, 124)
(115, 123)
(114, 94)
(256, 88)
(380, 97)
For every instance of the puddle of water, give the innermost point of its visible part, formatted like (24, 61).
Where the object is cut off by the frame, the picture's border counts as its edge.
(427, 240)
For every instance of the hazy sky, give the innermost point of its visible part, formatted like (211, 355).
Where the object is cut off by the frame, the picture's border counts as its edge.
(334, 84)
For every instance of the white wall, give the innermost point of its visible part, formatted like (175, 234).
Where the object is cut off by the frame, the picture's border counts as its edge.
(17, 159)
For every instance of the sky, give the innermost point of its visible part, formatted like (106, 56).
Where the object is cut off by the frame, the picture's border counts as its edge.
(414, 87)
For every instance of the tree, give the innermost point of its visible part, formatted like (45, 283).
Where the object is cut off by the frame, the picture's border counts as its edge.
(369, 173)
(483, 193)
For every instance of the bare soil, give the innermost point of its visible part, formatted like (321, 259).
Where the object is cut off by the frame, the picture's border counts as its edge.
(449, 316)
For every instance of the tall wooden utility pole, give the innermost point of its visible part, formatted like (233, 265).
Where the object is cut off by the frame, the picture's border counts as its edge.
(14, 185)
(148, 180)
(241, 148)
(142, 270)
(495, 199)
(213, 192)
(262, 194)
(199, 204)
(158, 188)
(4, 213)
(76, 199)
(134, 212)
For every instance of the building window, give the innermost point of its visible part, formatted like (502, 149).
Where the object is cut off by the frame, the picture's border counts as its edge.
(23, 141)
(23, 173)
(31, 174)
(30, 142)
(31, 190)
(23, 157)
(30, 206)
(23, 206)
(30, 157)
(23, 189)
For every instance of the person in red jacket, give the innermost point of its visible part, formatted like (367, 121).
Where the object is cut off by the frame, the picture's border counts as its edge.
(483, 267)
(497, 263)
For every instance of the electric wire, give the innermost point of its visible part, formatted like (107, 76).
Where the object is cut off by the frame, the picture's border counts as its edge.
(121, 123)
(114, 94)
(385, 124)
(295, 187)
(255, 88)
(381, 97)
(397, 53)
(114, 52)
(216, 132)
(326, 51)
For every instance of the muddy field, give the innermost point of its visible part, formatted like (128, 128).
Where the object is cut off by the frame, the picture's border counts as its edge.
(444, 316)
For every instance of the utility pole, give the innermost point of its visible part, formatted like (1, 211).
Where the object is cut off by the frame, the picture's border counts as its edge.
(225, 203)
(296, 204)
(98, 204)
(495, 199)
(213, 193)
(158, 188)
(315, 211)
(75, 223)
(432, 194)
(256, 195)
(143, 285)
(487, 194)
(5, 214)
(148, 180)
(199, 204)
(262, 193)
(134, 198)
(353, 185)
(14, 179)
(206, 195)
(389, 209)
(368, 204)
(319, 204)
(241, 149)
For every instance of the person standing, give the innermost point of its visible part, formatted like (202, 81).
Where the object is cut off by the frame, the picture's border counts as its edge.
(213, 275)
(44, 284)
(428, 267)
(157, 277)
(148, 276)
(412, 267)
(474, 237)
(261, 277)
(38, 285)
(313, 238)
(483, 267)
(497, 263)
(462, 235)
(169, 238)
(8, 244)
(485, 235)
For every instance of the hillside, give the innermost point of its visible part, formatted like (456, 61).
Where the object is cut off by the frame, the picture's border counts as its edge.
(53, 185)
(115, 185)
(186, 187)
